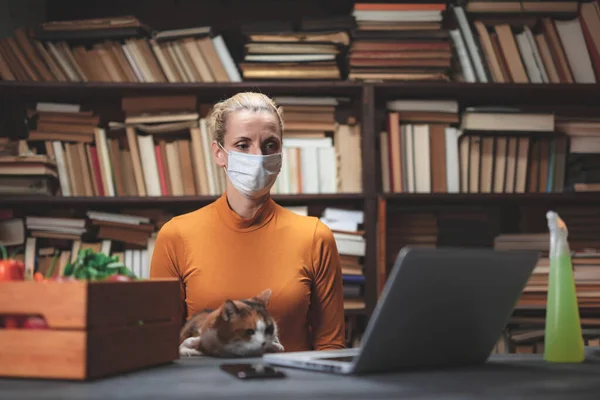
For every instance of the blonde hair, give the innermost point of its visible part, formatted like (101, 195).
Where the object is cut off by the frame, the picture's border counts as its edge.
(248, 101)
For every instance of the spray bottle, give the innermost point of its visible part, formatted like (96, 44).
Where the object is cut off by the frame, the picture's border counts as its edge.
(563, 339)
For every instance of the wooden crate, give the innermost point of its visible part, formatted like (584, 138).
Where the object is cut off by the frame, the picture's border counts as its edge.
(95, 329)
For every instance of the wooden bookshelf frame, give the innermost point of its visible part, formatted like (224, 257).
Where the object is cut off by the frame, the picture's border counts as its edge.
(370, 96)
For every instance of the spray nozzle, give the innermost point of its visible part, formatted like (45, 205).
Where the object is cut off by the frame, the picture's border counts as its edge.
(555, 223)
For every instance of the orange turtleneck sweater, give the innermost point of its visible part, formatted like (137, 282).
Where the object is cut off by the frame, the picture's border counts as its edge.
(216, 255)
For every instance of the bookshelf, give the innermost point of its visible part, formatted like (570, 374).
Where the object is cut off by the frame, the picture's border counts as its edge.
(368, 102)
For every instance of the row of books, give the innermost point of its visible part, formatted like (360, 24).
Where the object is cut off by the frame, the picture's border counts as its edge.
(48, 239)
(194, 55)
(163, 148)
(427, 147)
(524, 47)
(374, 42)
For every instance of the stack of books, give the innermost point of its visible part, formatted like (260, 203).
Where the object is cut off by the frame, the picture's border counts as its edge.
(347, 227)
(281, 51)
(399, 42)
(73, 138)
(28, 174)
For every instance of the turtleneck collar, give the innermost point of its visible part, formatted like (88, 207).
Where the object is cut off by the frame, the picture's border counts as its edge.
(237, 223)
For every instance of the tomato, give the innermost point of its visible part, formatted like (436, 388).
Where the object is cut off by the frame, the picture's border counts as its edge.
(11, 270)
(34, 323)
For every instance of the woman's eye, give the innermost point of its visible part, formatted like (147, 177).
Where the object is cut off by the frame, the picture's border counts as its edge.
(271, 147)
(242, 146)
(249, 332)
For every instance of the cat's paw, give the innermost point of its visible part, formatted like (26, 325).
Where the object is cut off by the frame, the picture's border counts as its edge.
(185, 352)
(275, 348)
(188, 347)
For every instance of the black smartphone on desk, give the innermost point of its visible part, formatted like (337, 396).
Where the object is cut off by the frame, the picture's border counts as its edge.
(252, 371)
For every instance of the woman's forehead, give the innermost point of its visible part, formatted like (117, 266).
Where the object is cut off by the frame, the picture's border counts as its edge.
(253, 123)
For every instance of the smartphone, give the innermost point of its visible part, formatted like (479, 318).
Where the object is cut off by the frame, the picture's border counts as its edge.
(252, 371)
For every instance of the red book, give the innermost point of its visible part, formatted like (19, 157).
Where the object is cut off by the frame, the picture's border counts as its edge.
(161, 170)
(97, 174)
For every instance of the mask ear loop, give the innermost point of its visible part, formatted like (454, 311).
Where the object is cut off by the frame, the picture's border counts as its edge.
(224, 168)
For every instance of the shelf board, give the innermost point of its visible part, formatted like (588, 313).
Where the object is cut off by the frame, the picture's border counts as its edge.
(493, 93)
(46, 91)
(475, 93)
(469, 198)
(161, 201)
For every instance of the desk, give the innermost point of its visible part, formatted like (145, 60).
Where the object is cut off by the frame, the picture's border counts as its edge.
(198, 378)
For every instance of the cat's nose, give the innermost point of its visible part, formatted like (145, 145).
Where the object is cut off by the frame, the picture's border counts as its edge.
(264, 344)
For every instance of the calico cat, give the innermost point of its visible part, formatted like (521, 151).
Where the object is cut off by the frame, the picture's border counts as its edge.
(240, 328)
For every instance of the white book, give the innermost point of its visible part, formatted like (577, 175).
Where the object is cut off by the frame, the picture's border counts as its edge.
(309, 161)
(396, 16)
(137, 263)
(105, 247)
(308, 142)
(421, 158)
(128, 260)
(536, 55)
(61, 166)
(105, 164)
(533, 72)
(134, 66)
(327, 170)
(149, 165)
(409, 154)
(340, 225)
(350, 247)
(284, 176)
(578, 57)
(226, 60)
(452, 163)
(472, 47)
(114, 217)
(55, 221)
(463, 56)
(340, 214)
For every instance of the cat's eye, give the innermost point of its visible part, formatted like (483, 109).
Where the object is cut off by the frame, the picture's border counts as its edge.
(249, 332)
(269, 330)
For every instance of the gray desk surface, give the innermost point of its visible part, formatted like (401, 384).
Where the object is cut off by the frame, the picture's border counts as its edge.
(502, 377)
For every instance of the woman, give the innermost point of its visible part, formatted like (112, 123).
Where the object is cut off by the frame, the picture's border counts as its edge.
(244, 242)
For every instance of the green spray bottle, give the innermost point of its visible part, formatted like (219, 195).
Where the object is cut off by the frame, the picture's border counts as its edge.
(563, 340)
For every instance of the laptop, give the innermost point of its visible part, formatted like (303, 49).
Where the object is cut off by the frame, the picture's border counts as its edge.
(440, 308)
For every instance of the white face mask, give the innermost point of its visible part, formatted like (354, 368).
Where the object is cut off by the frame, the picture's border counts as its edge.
(252, 174)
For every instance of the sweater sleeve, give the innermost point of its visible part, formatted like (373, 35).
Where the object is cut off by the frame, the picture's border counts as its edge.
(167, 259)
(327, 298)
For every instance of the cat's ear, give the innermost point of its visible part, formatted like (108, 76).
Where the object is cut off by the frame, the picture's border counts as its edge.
(228, 310)
(264, 296)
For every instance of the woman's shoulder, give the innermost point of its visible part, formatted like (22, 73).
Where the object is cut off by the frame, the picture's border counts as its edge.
(185, 221)
(313, 226)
